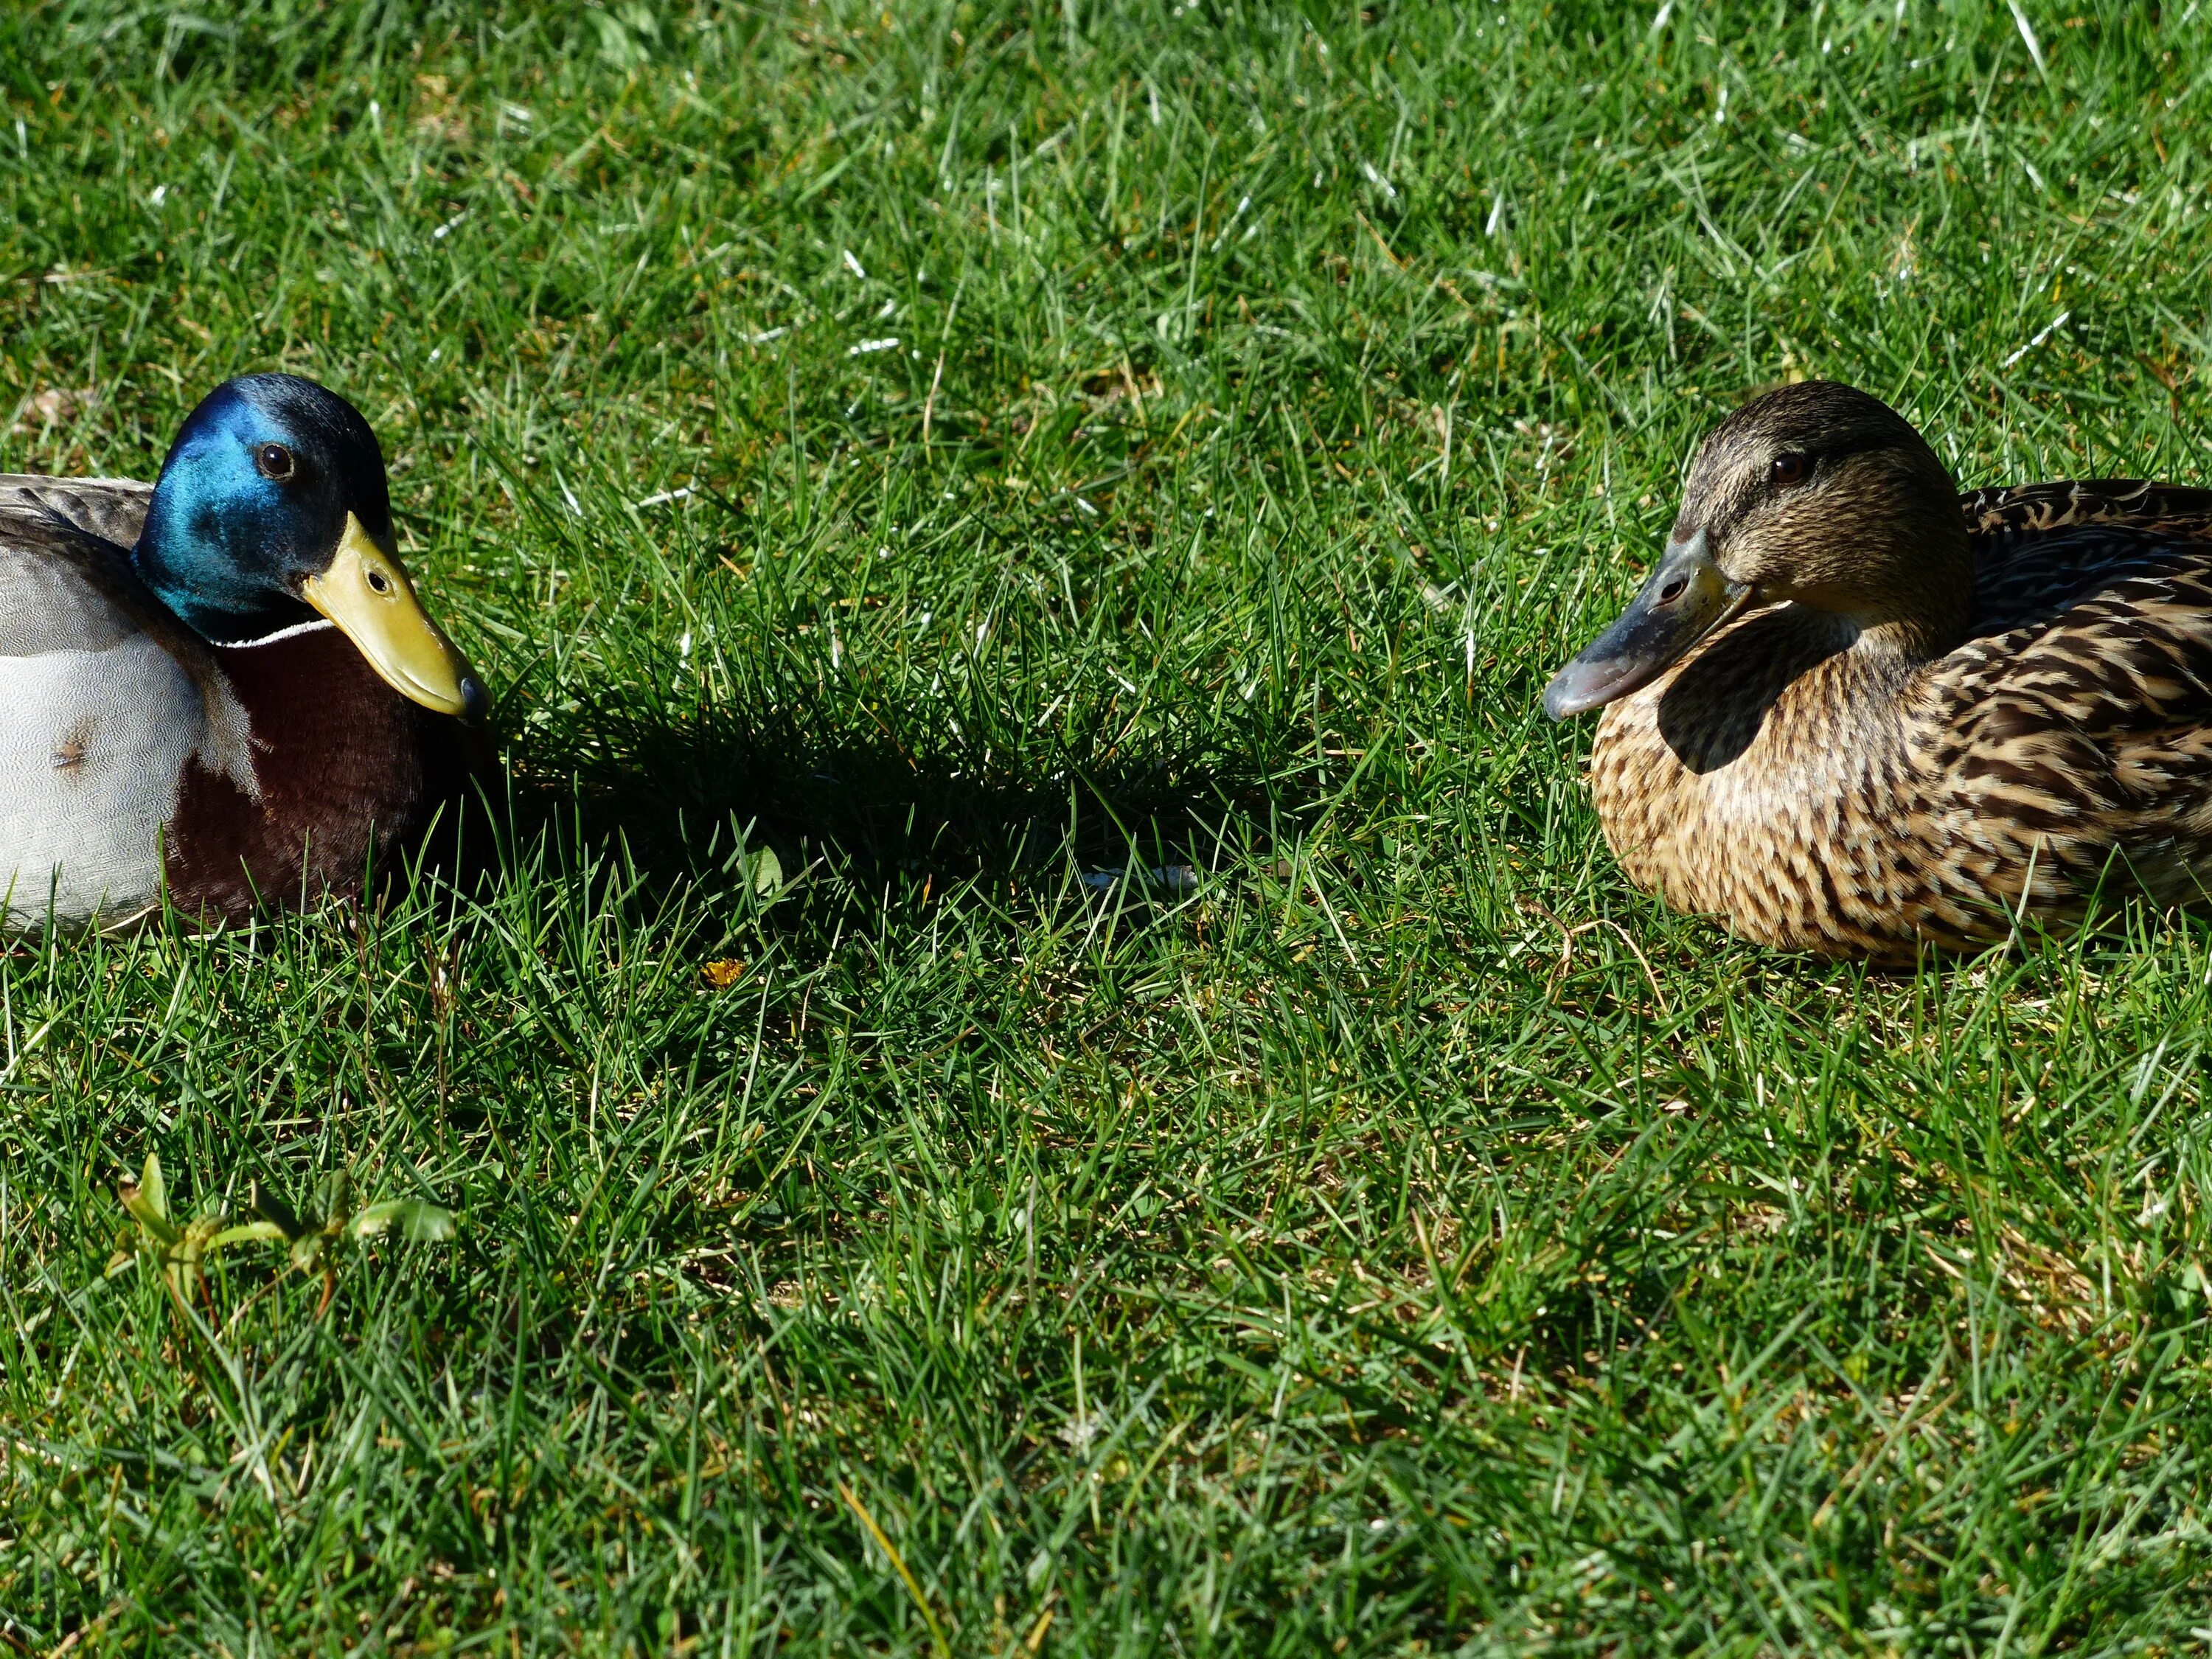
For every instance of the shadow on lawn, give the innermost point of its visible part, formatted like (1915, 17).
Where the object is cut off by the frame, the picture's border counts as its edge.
(677, 792)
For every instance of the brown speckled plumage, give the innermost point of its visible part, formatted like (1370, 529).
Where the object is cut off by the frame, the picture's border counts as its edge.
(1917, 733)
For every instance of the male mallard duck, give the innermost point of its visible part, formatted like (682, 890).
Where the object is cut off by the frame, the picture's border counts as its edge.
(223, 685)
(1847, 716)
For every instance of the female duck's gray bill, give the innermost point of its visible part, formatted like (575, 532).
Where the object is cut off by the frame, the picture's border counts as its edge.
(1686, 598)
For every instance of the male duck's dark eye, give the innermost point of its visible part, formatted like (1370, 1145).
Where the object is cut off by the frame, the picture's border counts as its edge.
(275, 461)
(1790, 469)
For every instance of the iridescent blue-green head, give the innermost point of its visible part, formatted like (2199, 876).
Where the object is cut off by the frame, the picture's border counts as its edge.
(272, 507)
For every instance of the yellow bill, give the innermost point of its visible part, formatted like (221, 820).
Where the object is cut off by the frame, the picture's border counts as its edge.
(367, 594)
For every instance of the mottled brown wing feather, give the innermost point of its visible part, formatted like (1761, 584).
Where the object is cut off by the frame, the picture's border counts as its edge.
(2037, 546)
(2076, 731)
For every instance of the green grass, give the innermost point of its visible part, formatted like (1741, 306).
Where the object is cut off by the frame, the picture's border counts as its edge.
(1411, 1240)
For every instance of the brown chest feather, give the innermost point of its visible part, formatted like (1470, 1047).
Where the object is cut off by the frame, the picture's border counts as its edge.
(348, 772)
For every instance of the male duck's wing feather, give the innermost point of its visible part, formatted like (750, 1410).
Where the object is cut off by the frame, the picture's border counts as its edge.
(113, 509)
(67, 584)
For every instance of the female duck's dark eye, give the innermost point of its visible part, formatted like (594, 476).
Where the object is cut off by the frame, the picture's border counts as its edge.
(1790, 469)
(275, 461)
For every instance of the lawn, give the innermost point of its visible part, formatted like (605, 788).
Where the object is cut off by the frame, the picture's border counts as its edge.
(1203, 1153)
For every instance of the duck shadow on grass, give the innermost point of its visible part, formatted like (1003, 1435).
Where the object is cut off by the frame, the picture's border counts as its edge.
(678, 795)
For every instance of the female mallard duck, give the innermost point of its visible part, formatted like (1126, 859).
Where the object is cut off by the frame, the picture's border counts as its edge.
(1846, 716)
(224, 685)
